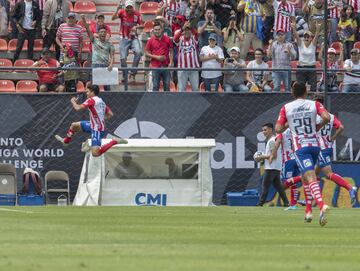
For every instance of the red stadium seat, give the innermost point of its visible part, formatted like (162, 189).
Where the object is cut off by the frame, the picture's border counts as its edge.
(149, 8)
(38, 45)
(23, 63)
(3, 45)
(86, 7)
(12, 45)
(80, 87)
(202, 88)
(337, 46)
(148, 26)
(86, 64)
(26, 86)
(7, 86)
(71, 7)
(86, 46)
(172, 87)
(357, 45)
(4, 62)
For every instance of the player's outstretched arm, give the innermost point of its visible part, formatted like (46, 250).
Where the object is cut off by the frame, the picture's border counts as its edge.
(109, 114)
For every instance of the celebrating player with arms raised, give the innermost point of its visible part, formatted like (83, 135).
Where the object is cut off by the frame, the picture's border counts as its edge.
(300, 116)
(98, 111)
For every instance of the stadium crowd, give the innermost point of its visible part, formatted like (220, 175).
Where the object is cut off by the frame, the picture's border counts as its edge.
(249, 34)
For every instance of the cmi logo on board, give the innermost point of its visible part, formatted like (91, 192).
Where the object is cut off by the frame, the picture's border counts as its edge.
(147, 199)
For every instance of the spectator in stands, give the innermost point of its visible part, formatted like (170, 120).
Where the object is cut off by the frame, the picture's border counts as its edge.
(207, 27)
(332, 64)
(68, 60)
(102, 50)
(307, 56)
(351, 81)
(48, 79)
(211, 56)
(70, 33)
(249, 25)
(284, 14)
(178, 23)
(222, 9)
(347, 28)
(281, 53)
(194, 11)
(54, 13)
(315, 13)
(159, 48)
(130, 21)
(26, 16)
(100, 23)
(258, 79)
(4, 17)
(128, 169)
(169, 9)
(334, 7)
(165, 24)
(234, 79)
(268, 23)
(188, 57)
(232, 35)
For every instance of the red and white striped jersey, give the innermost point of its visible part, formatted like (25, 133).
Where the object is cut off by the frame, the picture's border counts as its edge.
(355, 4)
(335, 12)
(172, 9)
(301, 118)
(97, 110)
(287, 151)
(325, 132)
(283, 13)
(187, 52)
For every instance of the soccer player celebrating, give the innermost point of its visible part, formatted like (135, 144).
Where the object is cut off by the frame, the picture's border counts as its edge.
(325, 156)
(300, 116)
(98, 111)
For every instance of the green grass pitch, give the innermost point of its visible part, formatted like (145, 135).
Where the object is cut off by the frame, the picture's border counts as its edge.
(176, 238)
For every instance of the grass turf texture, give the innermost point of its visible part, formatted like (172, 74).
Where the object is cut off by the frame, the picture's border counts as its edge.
(176, 238)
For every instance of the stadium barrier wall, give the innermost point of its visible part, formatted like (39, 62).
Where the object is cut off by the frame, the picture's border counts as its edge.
(29, 123)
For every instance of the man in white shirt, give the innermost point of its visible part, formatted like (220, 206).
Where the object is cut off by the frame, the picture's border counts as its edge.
(272, 167)
(352, 78)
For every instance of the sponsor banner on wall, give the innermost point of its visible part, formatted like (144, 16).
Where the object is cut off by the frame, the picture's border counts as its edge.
(29, 123)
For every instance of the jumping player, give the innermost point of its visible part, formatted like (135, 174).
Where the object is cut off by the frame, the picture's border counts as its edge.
(98, 112)
(300, 116)
(325, 156)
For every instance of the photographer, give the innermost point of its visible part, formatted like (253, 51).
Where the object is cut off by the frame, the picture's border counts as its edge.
(232, 35)
(234, 80)
(207, 27)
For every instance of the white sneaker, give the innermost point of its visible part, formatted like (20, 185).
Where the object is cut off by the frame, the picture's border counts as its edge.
(85, 147)
(61, 140)
(323, 218)
(120, 140)
(308, 217)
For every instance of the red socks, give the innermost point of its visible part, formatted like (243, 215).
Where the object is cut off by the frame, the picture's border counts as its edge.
(289, 182)
(107, 146)
(69, 135)
(316, 193)
(293, 195)
(339, 181)
(308, 198)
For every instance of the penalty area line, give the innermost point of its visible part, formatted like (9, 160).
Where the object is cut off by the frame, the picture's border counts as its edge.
(16, 211)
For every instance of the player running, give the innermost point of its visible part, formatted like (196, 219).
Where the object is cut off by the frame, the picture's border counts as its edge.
(300, 116)
(325, 156)
(98, 112)
(290, 169)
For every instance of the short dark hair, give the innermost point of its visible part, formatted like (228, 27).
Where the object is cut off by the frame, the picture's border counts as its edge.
(298, 89)
(259, 50)
(269, 125)
(94, 88)
(157, 23)
(100, 27)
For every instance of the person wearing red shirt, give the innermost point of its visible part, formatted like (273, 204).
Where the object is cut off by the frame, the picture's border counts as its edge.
(130, 21)
(48, 78)
(159, 48)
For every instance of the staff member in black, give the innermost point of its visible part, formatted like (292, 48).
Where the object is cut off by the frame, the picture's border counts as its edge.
(272, 166)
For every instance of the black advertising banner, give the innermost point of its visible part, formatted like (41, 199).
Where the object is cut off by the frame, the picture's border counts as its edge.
(29, 123)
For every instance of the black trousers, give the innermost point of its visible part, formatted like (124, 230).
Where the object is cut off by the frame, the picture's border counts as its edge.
(272, 176)
(307, 77)
(27, 35)
(49, 40)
